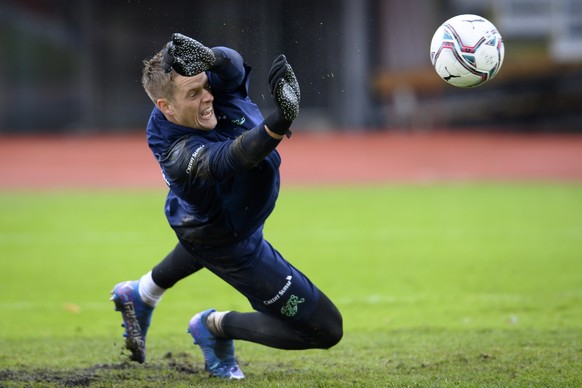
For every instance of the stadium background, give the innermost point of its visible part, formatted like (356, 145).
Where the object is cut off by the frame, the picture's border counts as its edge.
(460, 208)
(74, 66)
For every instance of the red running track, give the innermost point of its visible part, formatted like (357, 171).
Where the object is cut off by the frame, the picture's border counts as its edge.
(41, 162)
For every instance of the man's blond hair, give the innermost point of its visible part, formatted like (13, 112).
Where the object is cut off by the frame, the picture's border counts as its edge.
(155, 81)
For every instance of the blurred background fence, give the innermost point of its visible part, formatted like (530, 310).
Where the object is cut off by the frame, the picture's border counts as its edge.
(74, 66)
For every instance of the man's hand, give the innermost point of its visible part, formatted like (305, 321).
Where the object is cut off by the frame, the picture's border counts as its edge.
(286, 94)
(187, 56)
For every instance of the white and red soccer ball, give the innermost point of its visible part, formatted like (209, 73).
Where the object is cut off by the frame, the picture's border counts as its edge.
(467, 51)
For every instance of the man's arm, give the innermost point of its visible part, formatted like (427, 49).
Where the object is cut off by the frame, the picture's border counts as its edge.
(228, 71)
(189, 57)
(189, 158)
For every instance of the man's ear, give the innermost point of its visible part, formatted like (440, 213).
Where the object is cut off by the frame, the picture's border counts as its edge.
(165, 106)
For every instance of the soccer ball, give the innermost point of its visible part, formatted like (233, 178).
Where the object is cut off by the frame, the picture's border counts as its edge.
(467, 51)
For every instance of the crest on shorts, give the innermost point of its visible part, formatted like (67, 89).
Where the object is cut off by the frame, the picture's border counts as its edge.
(290, 309)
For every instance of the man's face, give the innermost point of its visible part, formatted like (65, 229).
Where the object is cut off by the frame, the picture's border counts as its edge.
(192, 103)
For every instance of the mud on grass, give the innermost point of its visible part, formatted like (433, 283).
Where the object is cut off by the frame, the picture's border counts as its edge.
(172, 369)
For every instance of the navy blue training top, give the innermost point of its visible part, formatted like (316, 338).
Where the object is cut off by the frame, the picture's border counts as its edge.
(223, 183)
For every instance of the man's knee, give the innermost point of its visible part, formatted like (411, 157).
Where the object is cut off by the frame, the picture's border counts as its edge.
(326, 324)
(332, 333)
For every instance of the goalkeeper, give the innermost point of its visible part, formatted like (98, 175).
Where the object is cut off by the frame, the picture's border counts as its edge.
(218, 156)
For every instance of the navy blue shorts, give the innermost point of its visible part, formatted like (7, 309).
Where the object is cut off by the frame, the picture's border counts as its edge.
(259, 272)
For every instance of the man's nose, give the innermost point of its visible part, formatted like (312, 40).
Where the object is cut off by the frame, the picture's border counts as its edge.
(207, 96)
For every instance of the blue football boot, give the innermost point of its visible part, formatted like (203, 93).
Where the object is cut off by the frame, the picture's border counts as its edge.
(218, 352)
(136, 317)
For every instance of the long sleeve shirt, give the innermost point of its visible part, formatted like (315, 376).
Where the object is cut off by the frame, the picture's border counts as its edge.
(223, 183)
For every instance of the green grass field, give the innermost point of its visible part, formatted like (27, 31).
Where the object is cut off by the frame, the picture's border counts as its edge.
(439, 285)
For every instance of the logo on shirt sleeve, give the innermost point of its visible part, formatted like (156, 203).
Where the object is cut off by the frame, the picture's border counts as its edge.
(193, 158)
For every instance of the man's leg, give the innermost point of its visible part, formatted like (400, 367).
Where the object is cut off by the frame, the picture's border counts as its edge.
(215, 331)
(177, 265)
(291, 312)
(322, 329)
(137, 299)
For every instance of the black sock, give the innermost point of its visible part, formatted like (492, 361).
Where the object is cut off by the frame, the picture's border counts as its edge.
(177, 265)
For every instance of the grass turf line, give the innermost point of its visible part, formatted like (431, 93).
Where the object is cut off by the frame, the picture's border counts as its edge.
(439, 285)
